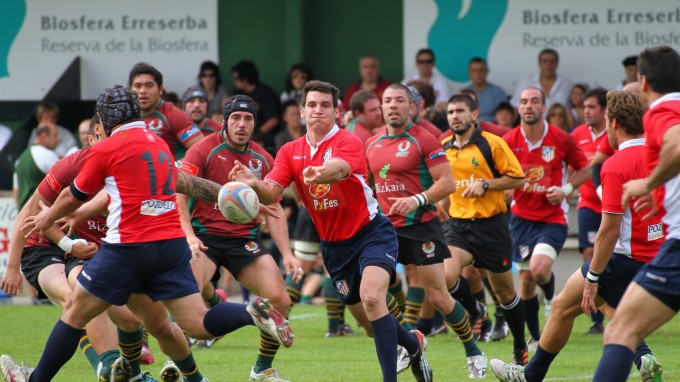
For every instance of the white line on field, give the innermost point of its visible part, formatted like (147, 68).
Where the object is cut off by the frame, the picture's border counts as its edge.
(305, 316)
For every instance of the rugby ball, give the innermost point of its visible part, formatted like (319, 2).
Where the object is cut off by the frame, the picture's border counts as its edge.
(238, 202)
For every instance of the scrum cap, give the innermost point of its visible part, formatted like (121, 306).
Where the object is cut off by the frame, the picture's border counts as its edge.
(116, 106)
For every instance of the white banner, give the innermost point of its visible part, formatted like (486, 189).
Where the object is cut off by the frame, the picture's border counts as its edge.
(592, 37)
(40, 39)
(8, 214)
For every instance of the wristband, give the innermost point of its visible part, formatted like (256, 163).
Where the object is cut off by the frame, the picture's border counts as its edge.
(592, 277)
(421, 199)
(66, 244)
(567, 189)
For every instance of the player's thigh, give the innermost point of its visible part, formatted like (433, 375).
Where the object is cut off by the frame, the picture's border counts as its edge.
(263, 277)
(568, 301)
(503, 285)
(123, 317)
(432, 278)
(189, 312)
(53, 282)
(638, 315)
(359, 314)
(151, 313)
(203, 269)
(82, 307)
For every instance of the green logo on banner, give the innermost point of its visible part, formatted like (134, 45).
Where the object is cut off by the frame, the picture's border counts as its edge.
(14, 12)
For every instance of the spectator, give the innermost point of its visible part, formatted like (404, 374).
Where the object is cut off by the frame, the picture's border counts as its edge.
(172, 98)
(488, 94)
(47, 113)
(369, 79)
(556, 88)
(195, 104)
(558, 116)
(84, 136)
(298, 75)
(417, 102)
(367, 115)
(210, 80)
(631, 69)
(506, 115)
(32, 165)
(576, 98)
(427, 72)
(293, 128)
(247, 82)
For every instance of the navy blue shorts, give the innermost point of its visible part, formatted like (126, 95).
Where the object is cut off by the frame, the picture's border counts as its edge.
(661, 277)
(159, 269)
(375, 244)
(616, 277)
(526, 234)
(588, 224)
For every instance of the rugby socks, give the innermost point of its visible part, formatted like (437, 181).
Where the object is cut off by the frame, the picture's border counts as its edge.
(226, 317)
(265, 355)
(489, 289)
(213, 300)
(189, 369)
(459, 321)
(334, 307)
(393, 307)
(480, 296)
(531, 310)
(109, 357)
(91, 354)
(614, 364)
(549, 287)
(130, 344)
(385, 333)
(425, 325)
(537, 368)
(397, 290)
(245, 293)
(414, 302)
(641, 350)
(293, 288)
(438, 319)
(60, 346)
(515, 317)
(461, 292)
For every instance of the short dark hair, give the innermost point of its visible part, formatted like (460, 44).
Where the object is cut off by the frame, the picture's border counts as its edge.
(535, 88)
(144, 68)
(299, 67)
(289, 103)
(464, 98)
(477, 60)
(210, 66)
(356, 103)
(660, 66)
(426, 50)
(549, 51)
(630, 61)
(472, 95)
(321, 87)
(43, 130)
(505, 106)
(425, 90)
(600, 94)
(397, 85)
(247, 71)
(627, 109)
(46, 106)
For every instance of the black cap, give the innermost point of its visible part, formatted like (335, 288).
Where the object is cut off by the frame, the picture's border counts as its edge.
(239, 102)
(630, 61)
(194, 92)
(116, 106)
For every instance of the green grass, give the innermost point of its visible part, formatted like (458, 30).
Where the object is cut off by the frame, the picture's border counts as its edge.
(24, 330)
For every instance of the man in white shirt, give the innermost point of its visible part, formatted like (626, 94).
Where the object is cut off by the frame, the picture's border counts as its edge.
(556, 88)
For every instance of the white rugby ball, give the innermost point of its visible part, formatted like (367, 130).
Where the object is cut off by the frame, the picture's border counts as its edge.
(238, 202)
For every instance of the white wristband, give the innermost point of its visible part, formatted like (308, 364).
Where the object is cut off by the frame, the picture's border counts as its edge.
(592, 277)
(66, 244)
(567, 189)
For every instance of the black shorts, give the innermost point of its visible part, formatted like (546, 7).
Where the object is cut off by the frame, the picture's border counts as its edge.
(422, 244)
(488, 240)
(617, 275)
(72, 262)
(233, 253)
(304, 228)
(35, 259)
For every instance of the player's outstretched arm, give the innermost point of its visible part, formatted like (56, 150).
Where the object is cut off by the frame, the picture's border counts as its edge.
(197, 188)
(12, 282)
(267, 192)
(65, 204)
(332, 172)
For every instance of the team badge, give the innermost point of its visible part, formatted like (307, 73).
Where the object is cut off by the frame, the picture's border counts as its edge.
(255, 166)
(535, 174)
(403, 148)
(319, 190)
(252, 246)
(327, 155)
(591, 236)
(428, 248)
(342, 287)
(155, 125)
(524, 251)
(548, 153)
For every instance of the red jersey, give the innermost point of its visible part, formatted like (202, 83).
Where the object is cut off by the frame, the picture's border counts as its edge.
(399, 165)
(638, 238)
(339, 210)
(357, 128)
(173, 125)
(60, 176)
(210, 127)
(429, 127)
(485, 126)
(589, 142)
(605, 148)
(212, 158)
(356, 86)
(545, 165)
(137, 171)
(662, 114)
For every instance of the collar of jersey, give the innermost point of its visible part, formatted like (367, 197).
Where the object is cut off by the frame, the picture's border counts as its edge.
(476, 133)
(328, 136)
(632, 143)
(155, 110)
(402, 134)
(665, 97)
(230, 147)
(539, 143)
(131, 125)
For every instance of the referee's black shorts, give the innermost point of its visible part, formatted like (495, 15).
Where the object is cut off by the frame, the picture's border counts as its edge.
(488, 240)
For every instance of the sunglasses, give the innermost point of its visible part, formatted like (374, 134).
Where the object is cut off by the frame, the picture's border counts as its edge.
(429, 62)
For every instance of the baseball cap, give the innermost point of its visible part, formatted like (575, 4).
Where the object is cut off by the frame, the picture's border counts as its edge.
(194, 92)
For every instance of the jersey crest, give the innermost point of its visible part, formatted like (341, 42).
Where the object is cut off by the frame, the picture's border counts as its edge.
(548, 153)
(403, 149)
(255, 166)
(155, 125)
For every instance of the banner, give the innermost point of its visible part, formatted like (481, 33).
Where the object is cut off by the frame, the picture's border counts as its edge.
(8, 214)
(39, 39)
(592, 37)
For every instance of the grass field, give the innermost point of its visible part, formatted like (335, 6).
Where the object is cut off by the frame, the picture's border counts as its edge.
(24, 330)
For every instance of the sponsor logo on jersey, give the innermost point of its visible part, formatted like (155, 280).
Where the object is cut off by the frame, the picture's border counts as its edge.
(548, 153)
(383, 172)
(154, 207)
(465, 183)
(255, 166)
(654, 232)
(342, 287)
(155, 125)
(299, 157)
(535, 174)
(474, 162)
(319, 190)
(96, 225)
(437, 154)
(189, 133)
(188, 168)
(428, 249)
(327, 155)
(52, 182)
(402, 149)
(252, 246)
(387, 187)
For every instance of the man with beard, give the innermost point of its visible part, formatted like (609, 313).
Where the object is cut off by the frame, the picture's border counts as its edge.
(195, 104)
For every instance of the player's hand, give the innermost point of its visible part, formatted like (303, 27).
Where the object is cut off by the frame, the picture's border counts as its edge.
(441, 213)
(474, 190)
(68, 223)
(555, 195)
(646, 203)
(292, 266)
(509, 195)
(84, 251)
(634, 188)
(38, 222)
(403, 206)
(241, 173)
(311, 174)
(12, 282)
(264, 210)
(589, 295)
(196, 246)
